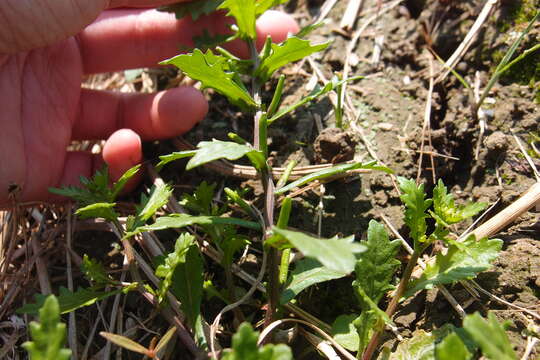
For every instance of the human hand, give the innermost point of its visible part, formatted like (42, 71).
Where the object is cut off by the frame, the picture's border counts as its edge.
(47, 46)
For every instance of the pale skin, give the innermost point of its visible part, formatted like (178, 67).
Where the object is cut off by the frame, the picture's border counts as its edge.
(47, 46)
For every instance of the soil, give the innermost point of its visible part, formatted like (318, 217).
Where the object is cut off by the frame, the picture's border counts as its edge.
(390, 103)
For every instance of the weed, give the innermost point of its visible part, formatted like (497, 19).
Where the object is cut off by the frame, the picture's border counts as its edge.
(176, 283)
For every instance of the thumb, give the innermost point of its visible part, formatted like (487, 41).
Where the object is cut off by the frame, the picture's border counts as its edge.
(30, 24)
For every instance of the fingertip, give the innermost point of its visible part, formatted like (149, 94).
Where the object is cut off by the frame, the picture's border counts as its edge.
(276, 24)
(176, 111)
(122, 151)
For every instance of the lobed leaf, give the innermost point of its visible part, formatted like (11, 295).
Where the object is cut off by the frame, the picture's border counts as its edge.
(335, 254)
(195, 9)
(201, 202)
(49, 335)
(212, 71)
(446, 210)
(262, 5)
(416, 204)
(244, 347)
(459, 263)
(71, 301)
(490, 336)
(95, 272)
(96, 189)
(307, 272)
(176, 221)
(245, 14)
(291, 50)
(374, 271)
(173, 259)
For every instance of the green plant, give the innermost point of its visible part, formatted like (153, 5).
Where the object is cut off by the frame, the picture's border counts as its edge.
(178, 277)
(49, 335)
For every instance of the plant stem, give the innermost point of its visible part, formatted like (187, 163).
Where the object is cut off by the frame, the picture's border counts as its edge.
(391, 309)
(268, 186)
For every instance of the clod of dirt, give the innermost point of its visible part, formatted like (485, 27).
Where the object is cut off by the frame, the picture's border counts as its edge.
(334, 145)
(496, 144)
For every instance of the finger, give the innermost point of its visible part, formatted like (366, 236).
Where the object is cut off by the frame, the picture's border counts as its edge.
(121, 152)
(29, 24)
(124, 39)
(152, 116)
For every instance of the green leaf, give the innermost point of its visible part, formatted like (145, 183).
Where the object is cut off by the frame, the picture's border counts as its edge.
(244, 347)
(119, 185)
(452, 348)
(71, 301)
(315, 93)
(176, 221)
(173, 259)
(97, 189)
(325, 173)
(306, 30)
(374, 271)
(335, 254)
(459, 263)
(446, 209)
(420, 347)
(165, 159)
(159, 196)
(291, 50)
(376, 266)
(209, 151)
(307, 272)
(244, 13)
(414, 198)
(490, 336)
(95, 272)
(344, 332)
(201, 202)
(262, 5)
(187, 286)
(195, 9)
(49, 335)
(98, 210)
(212, 71)
(207, 41)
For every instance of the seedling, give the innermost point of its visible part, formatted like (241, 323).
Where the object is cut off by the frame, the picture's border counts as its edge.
(179, 276)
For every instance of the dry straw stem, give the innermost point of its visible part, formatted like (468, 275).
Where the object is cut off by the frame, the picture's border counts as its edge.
(426, 127)
(347, 22)
(469, 39)
(325, 10)
(504, 218)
